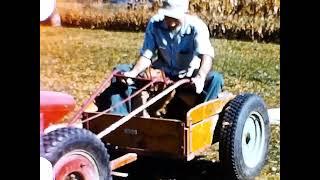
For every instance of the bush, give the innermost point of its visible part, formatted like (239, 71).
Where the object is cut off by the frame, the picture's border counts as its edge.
(230, 19)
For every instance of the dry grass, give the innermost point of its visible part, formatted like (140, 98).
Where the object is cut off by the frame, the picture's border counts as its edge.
(237, 19)
(76, 60)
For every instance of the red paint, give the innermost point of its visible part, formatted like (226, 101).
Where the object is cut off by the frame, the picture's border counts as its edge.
(54, 106)
(41, 124)
(75, 163)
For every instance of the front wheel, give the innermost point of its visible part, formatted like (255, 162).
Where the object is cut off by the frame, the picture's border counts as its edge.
(76, 154)
(244, 137)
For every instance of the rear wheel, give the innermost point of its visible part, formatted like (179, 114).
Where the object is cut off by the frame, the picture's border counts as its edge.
(244, 137)
(76, 154)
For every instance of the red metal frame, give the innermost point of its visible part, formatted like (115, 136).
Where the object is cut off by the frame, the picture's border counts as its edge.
(88, 101)
(103, 86)
(122, 102)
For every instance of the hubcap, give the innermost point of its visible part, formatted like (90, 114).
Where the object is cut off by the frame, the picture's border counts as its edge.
(76, 165)
(253, 139)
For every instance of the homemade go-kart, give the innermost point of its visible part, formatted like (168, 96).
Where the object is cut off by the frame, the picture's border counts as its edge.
(165, 121)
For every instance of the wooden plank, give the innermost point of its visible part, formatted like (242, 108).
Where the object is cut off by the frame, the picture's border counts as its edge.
(146, 135)
(119, 174)
(123, 160)
(201, 134)
(186, 141)
(207, 109)
(151, 101)
(189, 155)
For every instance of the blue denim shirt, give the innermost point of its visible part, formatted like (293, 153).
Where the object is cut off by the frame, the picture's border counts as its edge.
(177, 52)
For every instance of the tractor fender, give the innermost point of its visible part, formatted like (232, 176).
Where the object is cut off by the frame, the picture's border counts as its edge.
(62, 125)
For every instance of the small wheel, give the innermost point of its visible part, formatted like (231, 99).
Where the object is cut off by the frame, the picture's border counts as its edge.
(76, 154)
(244, 137)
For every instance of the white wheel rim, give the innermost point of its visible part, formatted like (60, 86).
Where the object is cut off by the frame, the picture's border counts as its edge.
(94, 175)
(253, 140)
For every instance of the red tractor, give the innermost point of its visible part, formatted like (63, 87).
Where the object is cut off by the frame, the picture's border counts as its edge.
(75, 153)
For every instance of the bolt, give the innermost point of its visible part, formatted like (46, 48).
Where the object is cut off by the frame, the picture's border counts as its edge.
(224, 124)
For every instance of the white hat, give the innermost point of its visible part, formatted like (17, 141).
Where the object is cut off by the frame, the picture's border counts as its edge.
(174, 8)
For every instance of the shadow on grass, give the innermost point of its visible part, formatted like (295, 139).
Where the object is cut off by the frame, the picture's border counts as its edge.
(165, 169)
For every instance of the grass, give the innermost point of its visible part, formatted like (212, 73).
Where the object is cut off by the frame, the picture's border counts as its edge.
(272, 169)
(76, 60)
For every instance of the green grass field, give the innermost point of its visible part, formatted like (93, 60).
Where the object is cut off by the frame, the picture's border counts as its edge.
(76, 60)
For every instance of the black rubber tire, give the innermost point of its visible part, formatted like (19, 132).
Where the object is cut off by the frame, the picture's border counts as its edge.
(230, 149)
(63, 140)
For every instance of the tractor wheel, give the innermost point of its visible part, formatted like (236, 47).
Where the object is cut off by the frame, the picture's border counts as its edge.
(244, 137)
(76, 154)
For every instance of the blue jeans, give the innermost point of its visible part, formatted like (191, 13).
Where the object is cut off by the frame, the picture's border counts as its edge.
(119, 91)
(213, 86)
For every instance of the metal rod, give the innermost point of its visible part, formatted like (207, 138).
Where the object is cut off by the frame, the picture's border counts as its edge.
(122, 102)
(141, 108)
(88, 101)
